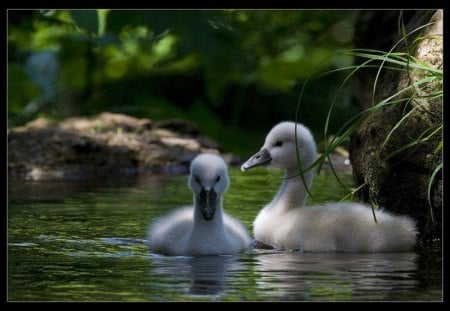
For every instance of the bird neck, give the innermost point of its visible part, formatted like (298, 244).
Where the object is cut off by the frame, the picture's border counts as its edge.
(292, 192)
(201, 225)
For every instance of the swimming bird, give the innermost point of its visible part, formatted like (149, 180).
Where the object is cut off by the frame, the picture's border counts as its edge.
(201, 229)
(288, 224)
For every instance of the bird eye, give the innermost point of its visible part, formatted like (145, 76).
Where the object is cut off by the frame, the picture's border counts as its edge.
(197, 179)
(278, 144)
(218, 178)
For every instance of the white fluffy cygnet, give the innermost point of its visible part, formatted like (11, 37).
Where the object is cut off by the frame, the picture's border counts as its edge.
(287, 223)
(201, 229)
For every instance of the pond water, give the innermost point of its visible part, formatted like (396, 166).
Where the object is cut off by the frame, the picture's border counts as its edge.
(85, 241)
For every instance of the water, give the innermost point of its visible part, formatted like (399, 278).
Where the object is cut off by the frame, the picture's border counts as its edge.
(85, 241)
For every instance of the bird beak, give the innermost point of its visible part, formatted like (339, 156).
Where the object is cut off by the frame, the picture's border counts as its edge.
(261, 158)
(208, 200)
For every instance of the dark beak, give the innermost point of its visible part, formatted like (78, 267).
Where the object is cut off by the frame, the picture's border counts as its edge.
(261, 158)
(208, 200)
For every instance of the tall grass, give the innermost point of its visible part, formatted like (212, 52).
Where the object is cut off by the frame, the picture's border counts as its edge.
(427, 78)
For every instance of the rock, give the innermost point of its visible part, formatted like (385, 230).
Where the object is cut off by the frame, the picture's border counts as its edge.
(178, 126)
(103, 145)
(396, 176)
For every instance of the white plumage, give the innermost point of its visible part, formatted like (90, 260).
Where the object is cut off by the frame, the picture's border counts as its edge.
(201, 229)
(287, 223)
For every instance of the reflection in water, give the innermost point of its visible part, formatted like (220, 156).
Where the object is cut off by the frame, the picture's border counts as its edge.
(83, 241)
(63, 189)
(208, 274)
(338, 276)
(204, 275)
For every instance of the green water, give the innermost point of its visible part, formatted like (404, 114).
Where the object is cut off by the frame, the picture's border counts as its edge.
(85, 241)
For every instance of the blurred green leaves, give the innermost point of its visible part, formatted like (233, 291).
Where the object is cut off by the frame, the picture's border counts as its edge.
(226, 51)
(86, 19)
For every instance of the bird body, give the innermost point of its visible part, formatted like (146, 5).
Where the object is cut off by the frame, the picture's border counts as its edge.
(201, 229)
(287, 223)
(344, 227)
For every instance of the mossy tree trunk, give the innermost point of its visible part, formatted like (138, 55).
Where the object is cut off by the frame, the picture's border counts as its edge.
(395, 150)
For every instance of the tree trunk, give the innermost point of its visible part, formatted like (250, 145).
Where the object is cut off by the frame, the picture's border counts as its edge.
(389, 152)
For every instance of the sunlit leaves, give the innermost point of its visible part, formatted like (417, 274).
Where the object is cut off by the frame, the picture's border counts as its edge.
(267, 49)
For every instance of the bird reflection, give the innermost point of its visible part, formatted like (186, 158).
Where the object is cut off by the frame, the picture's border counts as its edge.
(341, 276)
(205, 275)
(208, 274)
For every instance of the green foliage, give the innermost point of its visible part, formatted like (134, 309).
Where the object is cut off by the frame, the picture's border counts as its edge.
(20, 90)
(240, 59)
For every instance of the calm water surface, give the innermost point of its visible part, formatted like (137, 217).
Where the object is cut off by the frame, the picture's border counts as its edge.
(85, 241)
